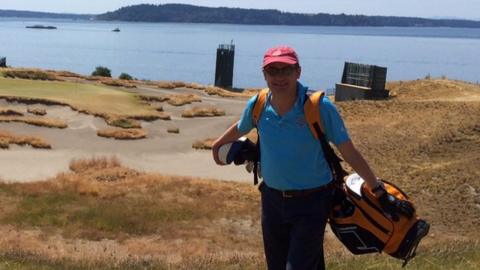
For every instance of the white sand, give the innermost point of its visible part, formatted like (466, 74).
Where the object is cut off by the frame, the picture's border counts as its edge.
(160, 152)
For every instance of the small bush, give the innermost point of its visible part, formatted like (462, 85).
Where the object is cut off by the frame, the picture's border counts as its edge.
(125, 76)
(102, 71)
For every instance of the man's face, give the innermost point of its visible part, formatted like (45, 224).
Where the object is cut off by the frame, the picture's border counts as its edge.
(281, 76)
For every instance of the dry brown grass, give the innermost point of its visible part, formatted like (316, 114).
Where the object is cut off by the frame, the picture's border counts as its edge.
(29, 74)
(41, 122)
(205, 111)
(117, 82)
(213, 90)
(102, 210)
(205, 144)
(251, 91)
(7, 138)
(122, 122)
(122, 134)
(37, 111)
(165, 85)
(153, 98)
(160, 115)
(110, 119)
(10, 112)
(60, 74)
(183, 99)
(195, 86)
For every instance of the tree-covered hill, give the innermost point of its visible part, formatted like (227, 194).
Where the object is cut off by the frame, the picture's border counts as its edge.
(35, 14)
(197, 14)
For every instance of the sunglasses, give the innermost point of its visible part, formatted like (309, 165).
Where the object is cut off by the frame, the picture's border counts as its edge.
(285, 71)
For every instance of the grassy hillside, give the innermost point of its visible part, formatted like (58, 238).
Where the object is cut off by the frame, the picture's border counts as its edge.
(101, 215)
(88, 97)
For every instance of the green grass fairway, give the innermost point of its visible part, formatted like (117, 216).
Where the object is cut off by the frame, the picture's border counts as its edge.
(83, 96)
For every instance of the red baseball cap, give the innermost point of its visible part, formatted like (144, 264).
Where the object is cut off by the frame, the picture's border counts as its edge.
(280, 54)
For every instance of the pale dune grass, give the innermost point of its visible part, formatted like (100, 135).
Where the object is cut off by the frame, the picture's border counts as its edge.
(7, 138)
(41, 122)
(103, 211)
(37, 111)
(203, 111)
(29, 74)
(122, 134)
(174, 100)
(213, 90)
(183, 99)
(153, 98)
(205, 144)
(196, 86)
(165, 85)
(10, 112)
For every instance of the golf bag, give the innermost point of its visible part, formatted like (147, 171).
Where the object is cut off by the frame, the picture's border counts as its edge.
(359, 222)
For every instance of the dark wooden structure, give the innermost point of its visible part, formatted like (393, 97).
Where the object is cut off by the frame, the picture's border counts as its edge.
(224, 66)
(3, 62)
(360, 81)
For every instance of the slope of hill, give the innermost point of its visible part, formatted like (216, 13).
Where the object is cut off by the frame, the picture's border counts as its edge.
(426, 139)
(198, 14)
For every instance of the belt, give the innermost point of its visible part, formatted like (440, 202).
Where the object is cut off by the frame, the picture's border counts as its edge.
(300, 192)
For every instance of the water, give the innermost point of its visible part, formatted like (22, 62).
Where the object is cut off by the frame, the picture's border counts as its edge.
(186, 52)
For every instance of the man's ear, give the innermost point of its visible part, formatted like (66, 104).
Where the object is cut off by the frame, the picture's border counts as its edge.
(299, 72)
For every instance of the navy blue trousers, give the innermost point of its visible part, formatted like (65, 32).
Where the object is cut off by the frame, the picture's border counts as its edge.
(293, 229)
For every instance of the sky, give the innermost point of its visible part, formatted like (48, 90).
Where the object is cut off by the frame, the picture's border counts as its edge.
(467, 9)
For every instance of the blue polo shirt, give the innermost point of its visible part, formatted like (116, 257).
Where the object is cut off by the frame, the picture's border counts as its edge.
(291, 157)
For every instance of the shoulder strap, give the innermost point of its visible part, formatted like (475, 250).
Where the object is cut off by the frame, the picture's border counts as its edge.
(312, 112)
(259, 105)
(313, 117)
(258, 108)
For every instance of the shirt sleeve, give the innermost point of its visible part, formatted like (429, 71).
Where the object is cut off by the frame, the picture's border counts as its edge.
(246, 120)
(333, 124)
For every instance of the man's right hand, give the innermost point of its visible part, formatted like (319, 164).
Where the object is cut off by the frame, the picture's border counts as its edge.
(215, 147)
(394, 206)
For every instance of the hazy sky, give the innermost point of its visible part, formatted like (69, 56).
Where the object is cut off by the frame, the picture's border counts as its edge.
(418, 8)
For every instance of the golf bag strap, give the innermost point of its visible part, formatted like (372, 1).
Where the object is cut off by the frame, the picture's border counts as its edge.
(259, 105)
(258, 108)
(256, 161)
(311, 109)
(313, 117)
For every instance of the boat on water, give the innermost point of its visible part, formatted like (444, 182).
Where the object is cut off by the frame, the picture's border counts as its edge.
(39, 26)
(116, 30)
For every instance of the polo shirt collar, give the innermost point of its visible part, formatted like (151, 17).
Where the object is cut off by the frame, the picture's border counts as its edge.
(301, 93)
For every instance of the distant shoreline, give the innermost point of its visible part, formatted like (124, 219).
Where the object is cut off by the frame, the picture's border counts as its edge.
(181, 13)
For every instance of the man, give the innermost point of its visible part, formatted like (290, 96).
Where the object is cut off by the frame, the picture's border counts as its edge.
(296, 190)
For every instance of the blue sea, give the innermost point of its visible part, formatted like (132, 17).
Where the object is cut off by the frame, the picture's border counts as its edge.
(187, 52)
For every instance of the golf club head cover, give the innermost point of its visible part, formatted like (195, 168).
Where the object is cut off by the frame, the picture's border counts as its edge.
(238, 151)
(247, 152)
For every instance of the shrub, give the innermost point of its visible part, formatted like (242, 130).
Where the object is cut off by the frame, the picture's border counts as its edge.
(125, 76)
(102, 71)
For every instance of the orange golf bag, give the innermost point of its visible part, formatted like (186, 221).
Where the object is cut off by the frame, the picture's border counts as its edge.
(361, 224)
